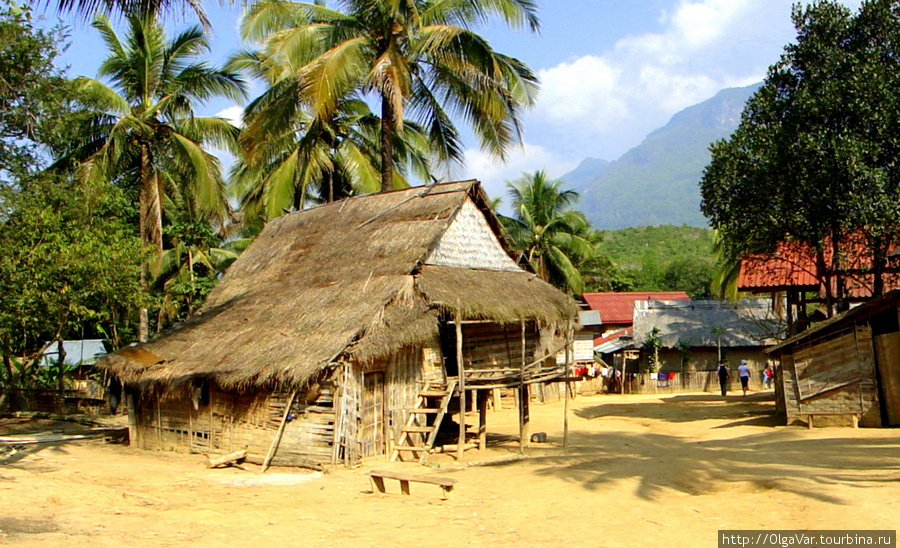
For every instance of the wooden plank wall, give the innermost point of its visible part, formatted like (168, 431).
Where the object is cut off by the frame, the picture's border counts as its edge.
(809, 371)
(237, 420)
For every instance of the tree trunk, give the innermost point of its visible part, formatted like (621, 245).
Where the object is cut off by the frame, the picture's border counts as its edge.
(387, 149)
(150, 230)
(25, 371)
(61, 377)
(825, 276)
(838, 272)
(878, 265)
(329, 180)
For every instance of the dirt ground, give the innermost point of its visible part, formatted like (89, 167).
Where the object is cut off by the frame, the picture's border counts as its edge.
(639, 471)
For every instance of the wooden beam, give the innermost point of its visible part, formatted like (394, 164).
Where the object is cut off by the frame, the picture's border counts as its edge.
(277, 439)
(482, 418)
(521, 399)
(460, 454)
(566, 388)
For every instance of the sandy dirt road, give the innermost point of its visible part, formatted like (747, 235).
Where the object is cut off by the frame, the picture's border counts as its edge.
(640, 471)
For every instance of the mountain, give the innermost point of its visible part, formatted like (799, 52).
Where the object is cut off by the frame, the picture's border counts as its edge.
(580, 178)
(657, 182)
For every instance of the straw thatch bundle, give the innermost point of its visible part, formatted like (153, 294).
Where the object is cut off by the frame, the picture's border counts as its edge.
(346, 279)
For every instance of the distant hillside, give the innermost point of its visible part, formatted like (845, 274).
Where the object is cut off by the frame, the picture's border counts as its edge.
(662, 258)
(580, 178)
(657, 182)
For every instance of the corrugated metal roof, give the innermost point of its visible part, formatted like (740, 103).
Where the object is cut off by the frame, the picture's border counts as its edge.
(618, 308)
(614, 342)
(793, 266)
(745, 323)
(80, 352)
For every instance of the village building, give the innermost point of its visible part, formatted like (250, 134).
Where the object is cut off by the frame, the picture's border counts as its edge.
(616, 310)
(684, 340)
(845, 370)
(605, 332)
(349, 330)
(794, 277)
(607, 319)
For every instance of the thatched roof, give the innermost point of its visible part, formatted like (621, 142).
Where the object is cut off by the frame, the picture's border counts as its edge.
(346, 279)
(743, 323)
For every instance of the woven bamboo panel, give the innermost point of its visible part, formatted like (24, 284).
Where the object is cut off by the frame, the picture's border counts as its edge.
(469, 242)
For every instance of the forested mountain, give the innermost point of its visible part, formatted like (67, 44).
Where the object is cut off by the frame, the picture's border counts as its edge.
(657, 182)
(662, 258)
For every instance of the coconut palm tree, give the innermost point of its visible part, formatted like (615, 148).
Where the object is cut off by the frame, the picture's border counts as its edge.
(552, 237)
(142, 132)
(419, 57)
(141, 8)
(286, 150)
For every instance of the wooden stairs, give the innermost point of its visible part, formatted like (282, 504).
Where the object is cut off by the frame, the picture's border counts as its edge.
(418, 436)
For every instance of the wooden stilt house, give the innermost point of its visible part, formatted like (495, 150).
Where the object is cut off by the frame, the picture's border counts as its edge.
(349, 330)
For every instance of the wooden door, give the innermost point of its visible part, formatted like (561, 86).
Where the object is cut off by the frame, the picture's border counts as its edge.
(372, 415)
(887, 352)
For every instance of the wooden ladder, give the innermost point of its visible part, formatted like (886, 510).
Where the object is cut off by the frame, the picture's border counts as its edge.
(417, 427)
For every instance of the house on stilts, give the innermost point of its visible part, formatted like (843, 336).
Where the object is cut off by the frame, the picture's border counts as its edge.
(349, 330)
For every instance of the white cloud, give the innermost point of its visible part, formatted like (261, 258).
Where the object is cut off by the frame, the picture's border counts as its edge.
(604, 103)
(234, 114)
(493, 173)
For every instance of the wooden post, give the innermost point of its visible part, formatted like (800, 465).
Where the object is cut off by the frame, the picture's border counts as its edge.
(190, 408)
(566, 388)
(482, 419)
(523, 394)
(277, 439)
(461, 444)
(158, 422)
(498, 403)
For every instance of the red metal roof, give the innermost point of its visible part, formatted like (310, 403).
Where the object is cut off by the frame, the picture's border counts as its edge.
(618, 308)
(793, 266)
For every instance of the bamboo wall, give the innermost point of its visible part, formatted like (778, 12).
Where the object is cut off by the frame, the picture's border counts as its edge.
(490, 345)
(232, 421)
(372, 413)
(493, 353)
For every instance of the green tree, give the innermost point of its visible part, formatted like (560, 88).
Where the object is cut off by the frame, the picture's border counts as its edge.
(553, 237)
(69, 258)
(814, 158)
(143, 131)
(33, 91)
(418, 57)
(661, 258)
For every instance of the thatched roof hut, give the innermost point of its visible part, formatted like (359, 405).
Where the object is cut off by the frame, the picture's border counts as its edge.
(354, 282)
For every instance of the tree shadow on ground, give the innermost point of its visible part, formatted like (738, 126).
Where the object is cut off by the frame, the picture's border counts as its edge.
(773, 460)
(689, 408)
(784, 459)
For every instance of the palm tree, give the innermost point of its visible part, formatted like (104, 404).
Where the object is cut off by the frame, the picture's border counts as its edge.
(417, 56)
(286, 150)
(141, 8)
(142, 129)
(552, 237)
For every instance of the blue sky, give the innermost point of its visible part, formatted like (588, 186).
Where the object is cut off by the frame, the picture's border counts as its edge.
(611, 70)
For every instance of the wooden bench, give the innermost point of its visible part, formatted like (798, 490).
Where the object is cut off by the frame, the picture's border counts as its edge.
(377, 478)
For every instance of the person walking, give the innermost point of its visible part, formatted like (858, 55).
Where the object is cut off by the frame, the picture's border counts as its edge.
(744, 372)
(767, 373)
(723, 376)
